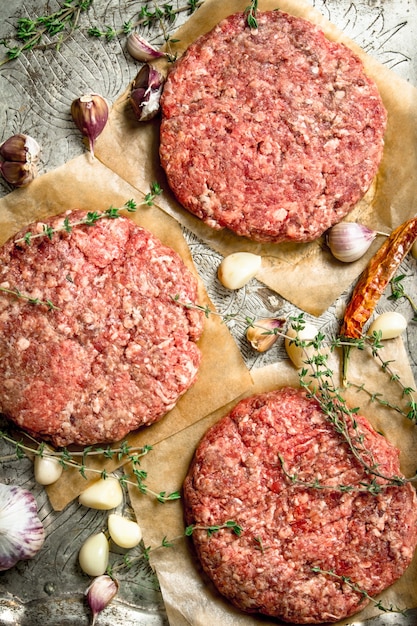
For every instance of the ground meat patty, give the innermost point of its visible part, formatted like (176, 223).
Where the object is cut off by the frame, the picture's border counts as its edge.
(116, 353)
(274, 133)
(288, 529)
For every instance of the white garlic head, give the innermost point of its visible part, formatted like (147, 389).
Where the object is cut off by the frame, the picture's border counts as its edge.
(21, 531)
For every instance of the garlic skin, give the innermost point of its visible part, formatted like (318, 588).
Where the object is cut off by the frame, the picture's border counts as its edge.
(93, 556)
(124, 532)
(104, 494)
(142, 50)
(21, 532)
(100, 593)
(238, 268)
(298, 354)
(90, 113)
(390, 324)
(348, 241)
(261, 335)
(146, 93)
(47, 469)
(21, 148)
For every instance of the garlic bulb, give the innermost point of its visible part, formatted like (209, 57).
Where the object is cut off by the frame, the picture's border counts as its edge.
(104, 494)
(100, 593)
(21, 532)
(146, 93)
(262, 334)
(390, 324)
(124, 532)
(238, 268)
(21, 155)
(348, 241)
(142, 50)
(93, 556)
(90, 114)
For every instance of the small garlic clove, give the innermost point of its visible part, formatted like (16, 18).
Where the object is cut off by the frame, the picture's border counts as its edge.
(348, 241)
(17, 173)
(100, 593)
(21, 148)
(90, 113)
(21, 531)
(124, 532)
(145, 95)
(47, 469)
(93, 556)
(238, 268)
(390, 324)
(104, 494)
(263, 333)
(414, 250)
(142, 50)
(299, 354)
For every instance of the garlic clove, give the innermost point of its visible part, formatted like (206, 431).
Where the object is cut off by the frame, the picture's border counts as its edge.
(17, 173)
(90, 113)
(390, 324)
(297, 353)
(93, 556)
(21, 148)
(142, 50)
(104, 494)
(124, 532)
(146, 93)
(414, 250)
(348, 241)
(21, 532)
(263, 333)
(100, 593)
(47, 469)
(238, 268)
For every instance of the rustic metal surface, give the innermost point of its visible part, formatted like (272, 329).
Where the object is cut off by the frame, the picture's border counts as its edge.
(36, 92)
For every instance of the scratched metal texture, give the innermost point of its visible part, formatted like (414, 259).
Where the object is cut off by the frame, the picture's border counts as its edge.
(36, 93)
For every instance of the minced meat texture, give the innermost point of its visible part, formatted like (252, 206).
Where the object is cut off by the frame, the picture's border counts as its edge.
(287, 528)
(113, 351)
(274, 133)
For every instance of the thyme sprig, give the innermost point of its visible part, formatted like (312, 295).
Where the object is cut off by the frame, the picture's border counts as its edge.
(24, 296)
(250, 13)
(78, 460)
(347, 580)
(398, 292)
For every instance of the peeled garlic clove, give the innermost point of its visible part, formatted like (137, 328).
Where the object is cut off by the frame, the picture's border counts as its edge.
(263, 333)
(124, 532)
(21, 532)
(237, 269)
(390, 324)
(20, 147)
(104, 494)
(100, 593)
(93, 556)
(47, 469)
(298, 354)
(18, 174)
(90, 113)
(414, 250)
(142, 50)
(146, 93)
(348, 241)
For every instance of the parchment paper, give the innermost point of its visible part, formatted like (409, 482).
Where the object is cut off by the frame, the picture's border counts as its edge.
(190, 598)
(86, 184)
(130, 149)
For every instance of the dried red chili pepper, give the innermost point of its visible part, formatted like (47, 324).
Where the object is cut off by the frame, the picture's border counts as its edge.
(375, 278)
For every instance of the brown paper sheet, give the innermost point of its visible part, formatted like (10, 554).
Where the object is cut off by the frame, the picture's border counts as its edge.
(189, 596)
(86, 184)
(131, 149)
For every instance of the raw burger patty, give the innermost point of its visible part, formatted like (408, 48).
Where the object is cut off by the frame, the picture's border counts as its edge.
(116, 353)
(275, 133)
(288, 529)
